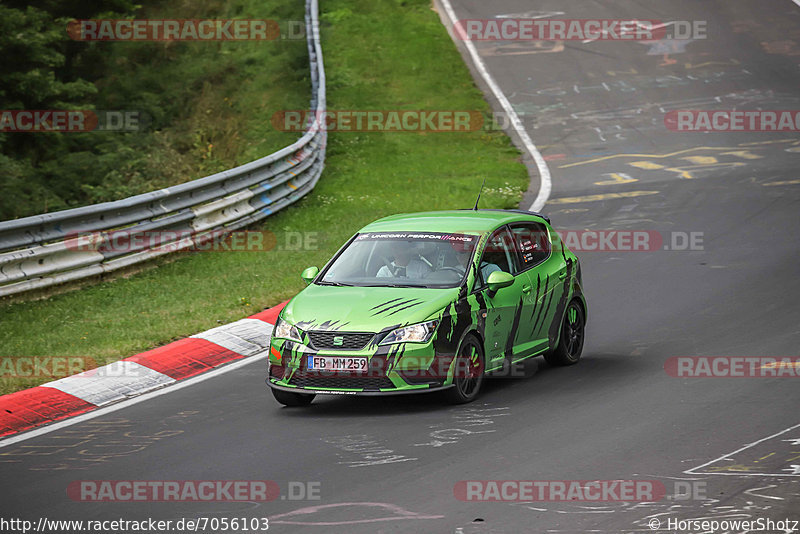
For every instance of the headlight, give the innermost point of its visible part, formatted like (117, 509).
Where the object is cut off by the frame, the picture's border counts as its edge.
(418, 333)
(287, 331)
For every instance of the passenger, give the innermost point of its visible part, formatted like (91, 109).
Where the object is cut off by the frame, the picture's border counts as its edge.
(404, 266)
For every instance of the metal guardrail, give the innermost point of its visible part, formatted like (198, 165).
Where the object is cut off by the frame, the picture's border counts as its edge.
(49, 249)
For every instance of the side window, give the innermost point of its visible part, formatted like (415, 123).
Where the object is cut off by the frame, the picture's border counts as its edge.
(498, 255)
(532, 242)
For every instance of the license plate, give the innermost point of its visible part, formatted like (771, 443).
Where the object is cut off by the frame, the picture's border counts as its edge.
(337, 363)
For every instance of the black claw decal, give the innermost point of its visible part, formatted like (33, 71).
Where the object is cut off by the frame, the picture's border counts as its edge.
(397, 305)
(385, 303)
(327, 325)
(535, 303)
(405, 308)
(562, 304)
(547, 310)
(481, 311)
(541, 308)
(513, 333)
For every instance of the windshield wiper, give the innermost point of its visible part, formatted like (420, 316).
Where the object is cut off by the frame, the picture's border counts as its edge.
(339, 284)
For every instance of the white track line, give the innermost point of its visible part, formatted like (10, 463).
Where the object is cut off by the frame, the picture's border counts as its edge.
(545, 185)
(693, 470)
(26, 435)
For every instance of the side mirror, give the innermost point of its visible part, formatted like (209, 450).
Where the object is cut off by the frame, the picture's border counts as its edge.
(309, 274)
(497, 281)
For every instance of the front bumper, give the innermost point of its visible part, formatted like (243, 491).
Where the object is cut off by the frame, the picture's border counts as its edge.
(392, 370)
(362, 392)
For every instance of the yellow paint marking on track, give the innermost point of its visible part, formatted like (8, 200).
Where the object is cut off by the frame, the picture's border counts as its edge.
(765, 457)
(657, 156)
(787, 182)
(701, 160)
(573, 210)
(604, 196)
(687, 171)
(617, 178)
(744, 154)
(649, 165)
(777, 141)
(732, 468)
(519, 49)
(793, 149)
(682, 172)
(709, 63)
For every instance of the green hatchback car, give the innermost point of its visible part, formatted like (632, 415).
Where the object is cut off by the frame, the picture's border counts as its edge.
(430, 301)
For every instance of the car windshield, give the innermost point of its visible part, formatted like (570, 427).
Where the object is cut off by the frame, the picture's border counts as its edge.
(402, 259)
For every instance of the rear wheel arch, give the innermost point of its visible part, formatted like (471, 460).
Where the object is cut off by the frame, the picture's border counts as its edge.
(567, 350)
(581, 303)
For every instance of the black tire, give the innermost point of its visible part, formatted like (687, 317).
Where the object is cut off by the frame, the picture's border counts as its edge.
(288, 398)
(469, 372)
(570, 342)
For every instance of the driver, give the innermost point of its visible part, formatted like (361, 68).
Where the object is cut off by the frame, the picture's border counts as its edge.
(404, 266)
(463, 263)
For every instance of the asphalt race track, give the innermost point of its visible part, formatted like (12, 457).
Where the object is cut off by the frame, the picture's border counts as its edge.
(596, 111)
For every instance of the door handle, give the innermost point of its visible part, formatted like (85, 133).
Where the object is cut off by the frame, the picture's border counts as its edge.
(526, 289)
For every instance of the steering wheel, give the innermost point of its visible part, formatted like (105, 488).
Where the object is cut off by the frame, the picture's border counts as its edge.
(450, 269)
(388, 264)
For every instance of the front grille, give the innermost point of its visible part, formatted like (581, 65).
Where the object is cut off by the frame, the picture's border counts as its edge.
(307, 379)
(349, 340)
(276, 371)
(417, 378)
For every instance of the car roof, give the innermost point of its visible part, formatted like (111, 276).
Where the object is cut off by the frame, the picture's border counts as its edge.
(453, 221)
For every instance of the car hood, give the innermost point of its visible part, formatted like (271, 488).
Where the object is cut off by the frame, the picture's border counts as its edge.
(364, 309)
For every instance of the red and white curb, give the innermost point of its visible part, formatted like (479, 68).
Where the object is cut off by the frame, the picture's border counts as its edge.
(137, 375)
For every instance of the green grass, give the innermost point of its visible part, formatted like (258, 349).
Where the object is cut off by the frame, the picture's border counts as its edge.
(378, 55)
